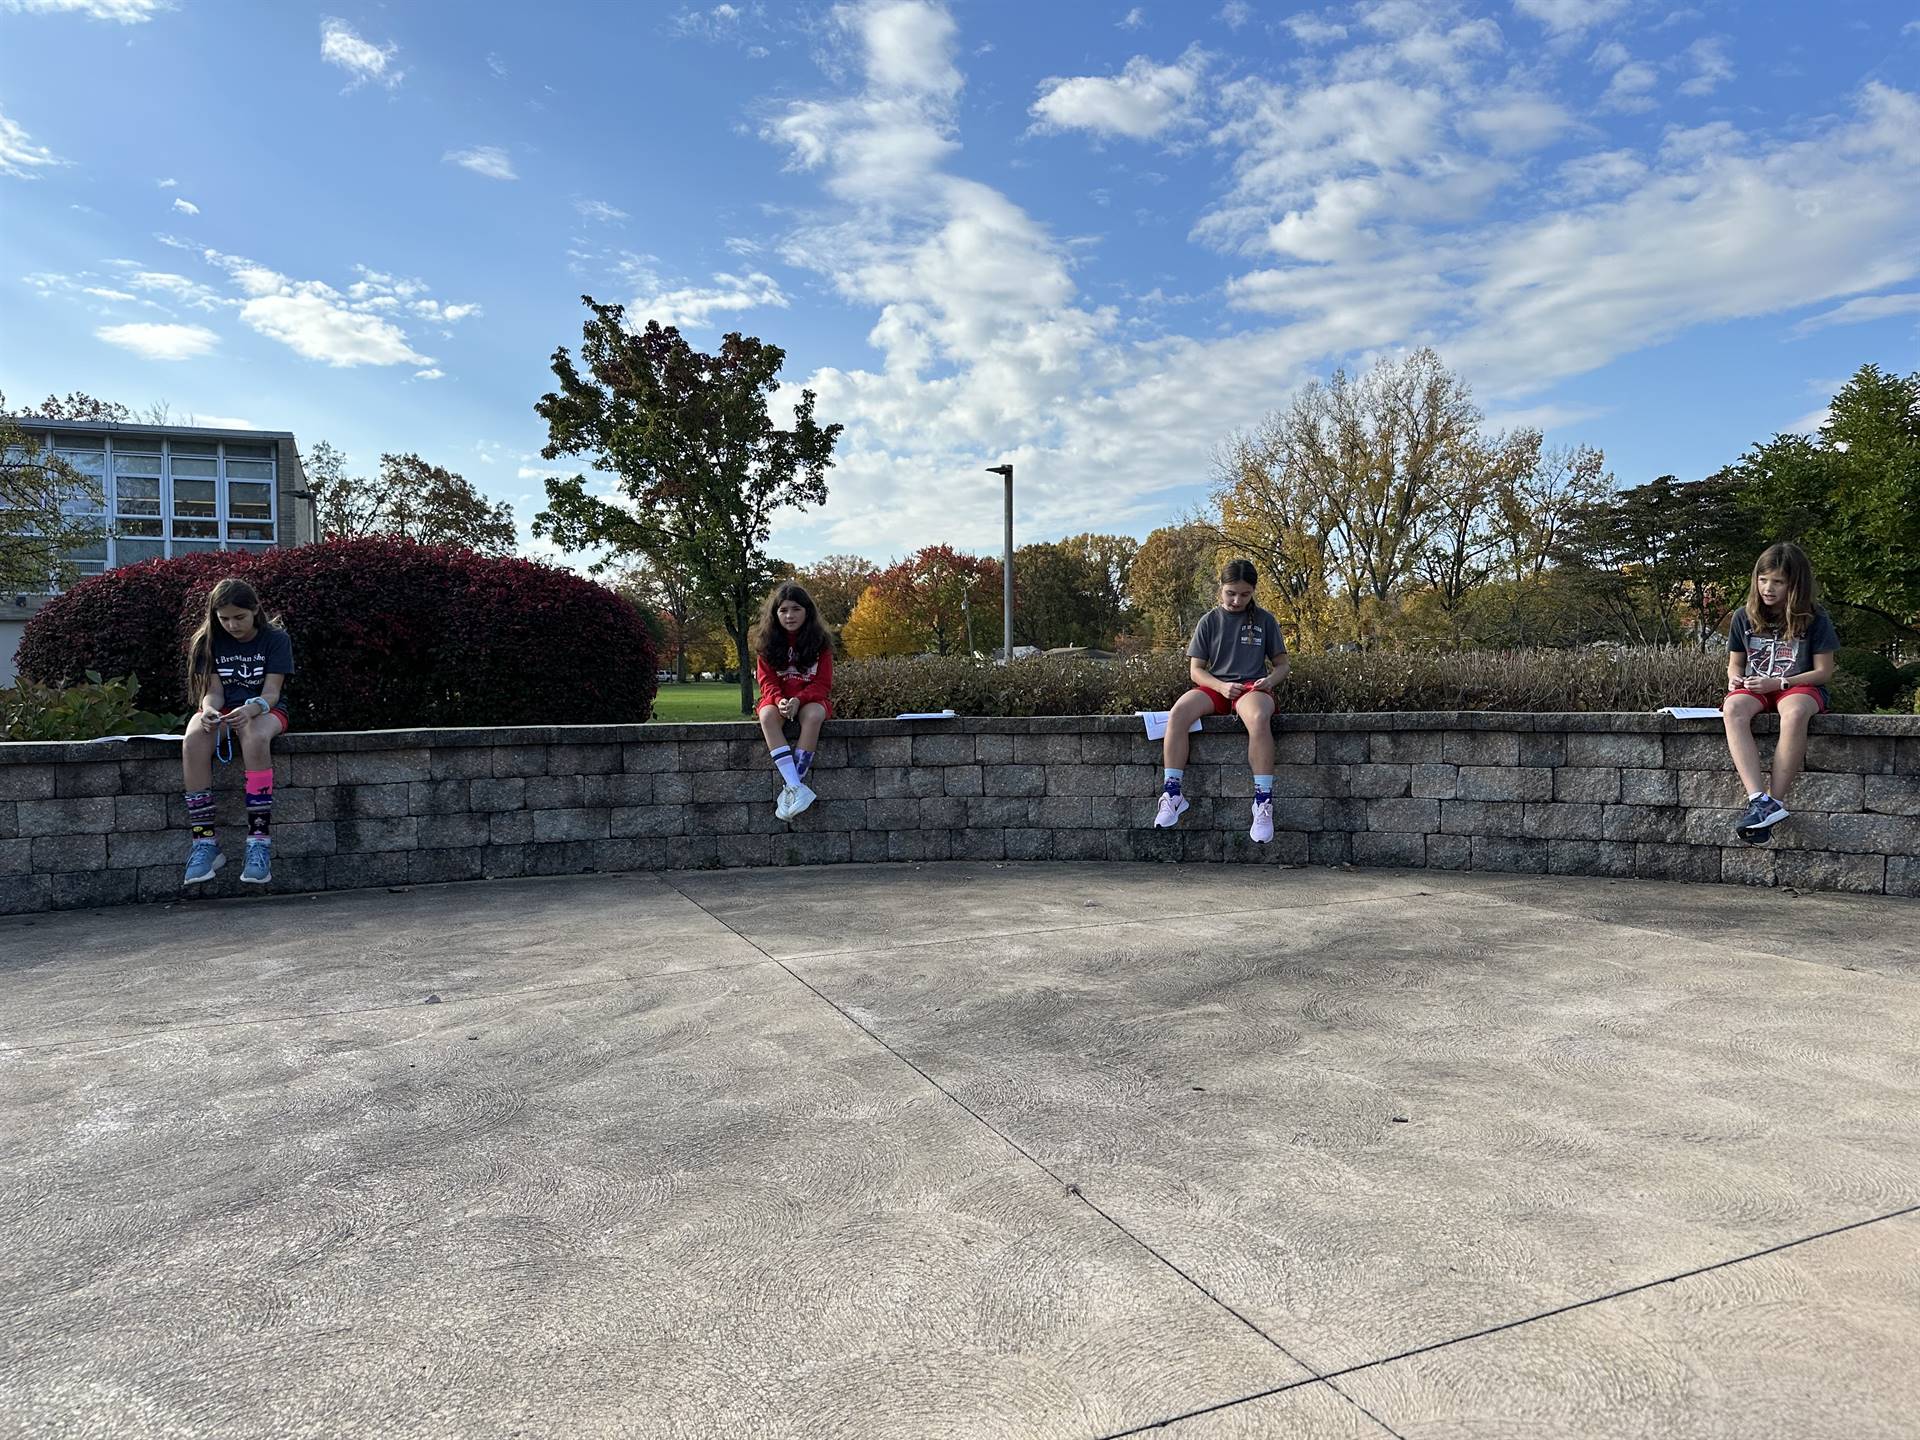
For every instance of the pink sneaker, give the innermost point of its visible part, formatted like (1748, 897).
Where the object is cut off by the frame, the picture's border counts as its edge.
(1262, 829)
(1172, 807)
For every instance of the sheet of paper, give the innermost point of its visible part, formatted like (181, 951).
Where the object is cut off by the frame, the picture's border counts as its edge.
(928, 715)
(1690, 712)
(1156, 723)
(99, 738)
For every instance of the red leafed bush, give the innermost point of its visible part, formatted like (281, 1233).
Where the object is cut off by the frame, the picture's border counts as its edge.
(386, 634)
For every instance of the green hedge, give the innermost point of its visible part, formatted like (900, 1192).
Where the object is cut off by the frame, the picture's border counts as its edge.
(1532, 680)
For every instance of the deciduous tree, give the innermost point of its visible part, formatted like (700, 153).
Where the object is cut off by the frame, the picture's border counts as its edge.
(693, 451)
(409, 500)
(48, 510)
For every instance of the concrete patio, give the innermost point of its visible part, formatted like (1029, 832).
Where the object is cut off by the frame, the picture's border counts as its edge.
(966, 1150)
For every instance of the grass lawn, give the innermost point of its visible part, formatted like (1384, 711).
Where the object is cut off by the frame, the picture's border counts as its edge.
(690, 704)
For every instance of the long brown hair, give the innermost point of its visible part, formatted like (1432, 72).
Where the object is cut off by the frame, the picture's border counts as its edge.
(1796, 615)
(230, 591)
(772, 639)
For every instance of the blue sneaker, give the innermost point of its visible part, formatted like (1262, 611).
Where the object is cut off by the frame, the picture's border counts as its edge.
(1762, 814)
(259, 867)
(203, 860)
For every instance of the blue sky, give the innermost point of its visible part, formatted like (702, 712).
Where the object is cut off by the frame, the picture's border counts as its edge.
(1090, 238)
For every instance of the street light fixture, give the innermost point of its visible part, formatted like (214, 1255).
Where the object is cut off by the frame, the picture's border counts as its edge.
(1006, 565)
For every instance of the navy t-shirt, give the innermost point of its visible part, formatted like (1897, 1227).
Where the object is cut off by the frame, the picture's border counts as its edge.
(1773, 653)
(244, 665)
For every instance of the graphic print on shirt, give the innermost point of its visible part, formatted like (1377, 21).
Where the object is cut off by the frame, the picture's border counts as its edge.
(1771, 655)
(791, 673)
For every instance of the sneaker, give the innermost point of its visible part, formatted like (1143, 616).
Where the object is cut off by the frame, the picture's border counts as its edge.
(1753, 837)
(202, 861)
(259, 867)
(1262, 829)
(783, 807)
(802, 798)
(1172, 806)
(1763, 813)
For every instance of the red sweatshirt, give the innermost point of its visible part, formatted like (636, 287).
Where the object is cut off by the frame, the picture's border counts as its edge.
(792, 682)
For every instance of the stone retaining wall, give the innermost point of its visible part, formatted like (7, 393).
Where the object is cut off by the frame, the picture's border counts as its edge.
(1623, 795)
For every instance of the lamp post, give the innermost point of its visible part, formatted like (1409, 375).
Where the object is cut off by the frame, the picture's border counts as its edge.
(1006, 566)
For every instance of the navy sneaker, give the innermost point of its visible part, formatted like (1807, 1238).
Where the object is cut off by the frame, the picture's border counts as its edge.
(1762, 814)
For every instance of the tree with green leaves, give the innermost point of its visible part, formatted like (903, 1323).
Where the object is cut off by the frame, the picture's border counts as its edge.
(1072, 591)
(410, 499)
(699, 465)
(836, 583)
(48, 510)
(1850, 496)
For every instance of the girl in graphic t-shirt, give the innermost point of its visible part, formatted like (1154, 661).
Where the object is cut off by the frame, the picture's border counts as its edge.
(795, 671)
(1780, 649)
(238, 662)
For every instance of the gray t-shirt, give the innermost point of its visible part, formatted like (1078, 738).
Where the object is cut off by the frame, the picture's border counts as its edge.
(1773, 654)
(1236, 648)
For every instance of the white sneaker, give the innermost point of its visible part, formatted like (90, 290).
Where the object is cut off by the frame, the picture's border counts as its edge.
(783, 807)
(1262, 829)
(803, 796)
(1172, 807)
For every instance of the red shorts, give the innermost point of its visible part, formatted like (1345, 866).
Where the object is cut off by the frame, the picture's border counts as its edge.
(773, 704)
(1221, 705)
(1772, 701)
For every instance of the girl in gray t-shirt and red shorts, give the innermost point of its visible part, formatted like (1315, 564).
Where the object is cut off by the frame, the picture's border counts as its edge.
(1780, 648)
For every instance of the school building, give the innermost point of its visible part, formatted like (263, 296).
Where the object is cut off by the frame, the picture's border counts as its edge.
(170, 490)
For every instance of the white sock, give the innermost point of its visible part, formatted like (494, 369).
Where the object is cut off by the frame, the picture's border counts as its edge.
(783, 758)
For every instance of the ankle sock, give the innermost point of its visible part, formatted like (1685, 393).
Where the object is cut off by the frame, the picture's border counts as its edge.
(783, 762)
(1262, 789)
(259, 803)
(200, 813)
(1174, 777)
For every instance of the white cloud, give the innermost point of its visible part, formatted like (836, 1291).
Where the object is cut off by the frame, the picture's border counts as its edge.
(1627, 91)
(1603, 172)
(220, 422)
(1861, 311)
(19, 156)
(185, 207)
(168, 184)
(497, 66)
(696, 305)
(160, 342)
(1314, 30)
(176, 288)
(600, 210)
(356, 326)
(1711, 67)
(101, 292)
(1570, 17)
(1133, 19)
(1139, 103)
(361, 59)
(1234, 14)
(1516, 123)
(488, 160)
(127, 12)
(433, 373)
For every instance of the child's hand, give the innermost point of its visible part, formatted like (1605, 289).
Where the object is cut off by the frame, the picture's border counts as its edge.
(1765, 684)
(1235, 691)
(789, 708)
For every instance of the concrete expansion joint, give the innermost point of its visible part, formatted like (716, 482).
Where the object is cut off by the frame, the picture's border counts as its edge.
(1330, 1378)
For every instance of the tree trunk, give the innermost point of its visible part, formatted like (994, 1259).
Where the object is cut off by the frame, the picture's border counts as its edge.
(746, 671)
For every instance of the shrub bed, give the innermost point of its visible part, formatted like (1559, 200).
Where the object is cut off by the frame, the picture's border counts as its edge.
(386, 633)
(1528, 680)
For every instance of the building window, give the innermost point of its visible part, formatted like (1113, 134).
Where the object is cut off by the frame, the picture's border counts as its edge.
(88, 455)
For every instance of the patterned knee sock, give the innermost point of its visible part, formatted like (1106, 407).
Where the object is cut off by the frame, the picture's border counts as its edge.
(259, 804)
(802, 763)
(200, 813)
(1262, 789)
(1174, 776)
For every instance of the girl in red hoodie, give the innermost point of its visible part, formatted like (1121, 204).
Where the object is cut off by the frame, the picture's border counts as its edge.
(795, 670)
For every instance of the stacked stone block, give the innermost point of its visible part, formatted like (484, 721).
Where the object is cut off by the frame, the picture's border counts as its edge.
(1615, 795)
